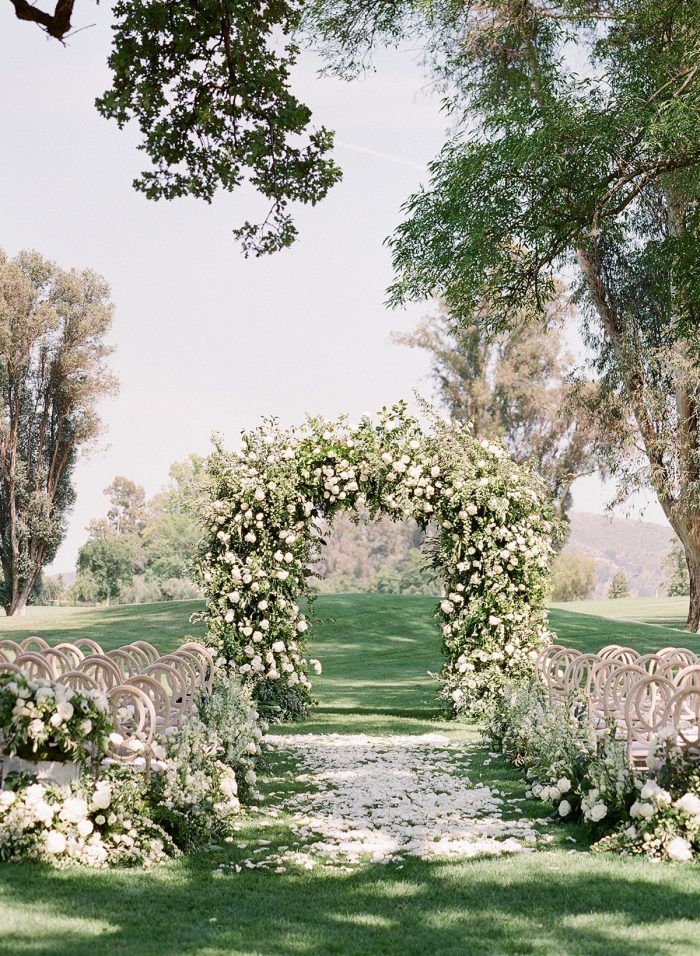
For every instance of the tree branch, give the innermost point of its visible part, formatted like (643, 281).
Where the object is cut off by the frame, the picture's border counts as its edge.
(56, 24)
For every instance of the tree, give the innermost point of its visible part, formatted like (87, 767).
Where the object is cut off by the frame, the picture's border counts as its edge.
(618, 586)
(107, 564)
(676, 580)
(208, 84)
(53, 373)
(574, 155)
(573, 577)
(512, 387)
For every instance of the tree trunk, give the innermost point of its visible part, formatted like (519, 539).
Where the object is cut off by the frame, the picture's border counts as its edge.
(18, 605)
(692, 557)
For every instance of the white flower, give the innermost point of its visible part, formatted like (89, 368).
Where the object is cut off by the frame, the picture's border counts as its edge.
(278, 647)
(74, 810)
(679, 850)
(598, 811)
(116, 739)
(564, 784)
(85, 828)
(7, 798)
(54, 842)
(447, 607)
(43, 812)
(564, 808)
(689, 803)
(302, 626)
(102, 797)
(229, 617)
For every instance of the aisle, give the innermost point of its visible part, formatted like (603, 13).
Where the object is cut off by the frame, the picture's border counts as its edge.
(377, 799)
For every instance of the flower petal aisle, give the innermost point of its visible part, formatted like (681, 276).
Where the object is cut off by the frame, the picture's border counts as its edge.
(381, 798)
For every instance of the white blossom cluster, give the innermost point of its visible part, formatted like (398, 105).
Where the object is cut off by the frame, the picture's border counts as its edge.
(583, 771)
(492, 548)
(91, 822)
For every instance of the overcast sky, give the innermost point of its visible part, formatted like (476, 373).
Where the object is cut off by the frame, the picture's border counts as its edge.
(206, 339)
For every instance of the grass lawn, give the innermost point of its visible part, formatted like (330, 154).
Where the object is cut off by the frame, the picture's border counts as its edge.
(376, 651)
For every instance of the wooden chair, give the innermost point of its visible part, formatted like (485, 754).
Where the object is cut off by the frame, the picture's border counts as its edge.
(174, 684)
(72, 652)
(34, 666)
(683, 714)
(646, 709)
(623, 655)
(59, 661)
(151, 652)
(652, 663)
(33, 644)
(135, 719)
(9, 650)
(7, 668)
(160, 699)
(687, 677)
(616, 690)
(558, 666)
(78, 680)
(87, 646)
(127, 664)
(102, 669)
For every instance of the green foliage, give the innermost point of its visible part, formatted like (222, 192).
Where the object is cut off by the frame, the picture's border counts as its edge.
(618, 586)
(573, 577)
(209, 86)
(677, 579)
(108, 564)
(513, 388)
(492, 547)
(408, 575)
(53, 374)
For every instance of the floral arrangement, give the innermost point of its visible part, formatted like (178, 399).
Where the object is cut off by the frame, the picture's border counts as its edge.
(189, 799)
(231, 717)
(193, 794)
(582, 772)
(89, 822)
(492, 546)
(40, 720)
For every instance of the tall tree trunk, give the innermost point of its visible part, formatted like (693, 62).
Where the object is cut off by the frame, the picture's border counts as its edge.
(693, 560)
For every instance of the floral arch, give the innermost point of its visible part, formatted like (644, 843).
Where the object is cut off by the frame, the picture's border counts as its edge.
(492, 545)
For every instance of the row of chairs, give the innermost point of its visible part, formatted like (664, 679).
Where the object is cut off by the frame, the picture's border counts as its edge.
(642, 695)
(148, 695)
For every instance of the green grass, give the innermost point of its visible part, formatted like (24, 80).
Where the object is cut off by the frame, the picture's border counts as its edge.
(376, 650)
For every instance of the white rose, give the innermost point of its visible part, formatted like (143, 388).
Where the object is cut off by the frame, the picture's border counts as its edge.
(564, 784)
(85, 828)
(689, 803)
(302, 626)
(54, 842)
(598, 812)
(7, 798)
(278, 647)
(564, 808)
(74, 810)
(679, 850)
(102, 797)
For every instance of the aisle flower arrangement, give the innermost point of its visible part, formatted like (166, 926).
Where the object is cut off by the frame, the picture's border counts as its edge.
(582, 772)
(117, 814)
(40, 720)
(492, 546)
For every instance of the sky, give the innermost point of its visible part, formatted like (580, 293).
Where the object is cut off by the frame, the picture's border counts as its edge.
(207, 340)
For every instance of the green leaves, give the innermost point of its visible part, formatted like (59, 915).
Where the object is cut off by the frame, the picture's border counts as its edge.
(207, 83)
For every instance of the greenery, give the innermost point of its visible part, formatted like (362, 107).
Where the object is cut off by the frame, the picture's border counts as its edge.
(376, 650)
(618, 586)
(573, 577)
(513, 388)
(53, 374)
(491, 549)
(677, 579)
(142, 551)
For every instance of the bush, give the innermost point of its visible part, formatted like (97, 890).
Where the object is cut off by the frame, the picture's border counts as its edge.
(582, 771)
(573, 577)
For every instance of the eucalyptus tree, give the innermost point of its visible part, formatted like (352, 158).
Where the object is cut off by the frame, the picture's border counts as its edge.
(53, 374)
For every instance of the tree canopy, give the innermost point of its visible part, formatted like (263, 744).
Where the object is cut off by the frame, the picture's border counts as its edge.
(53, 373)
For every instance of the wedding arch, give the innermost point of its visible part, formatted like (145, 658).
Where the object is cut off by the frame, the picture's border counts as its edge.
(491, 546)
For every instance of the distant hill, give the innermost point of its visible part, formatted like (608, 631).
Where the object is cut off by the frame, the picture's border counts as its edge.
(635, 547)
(358, 555)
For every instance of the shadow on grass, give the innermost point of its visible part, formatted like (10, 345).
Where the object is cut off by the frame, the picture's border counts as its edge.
(537, 904)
